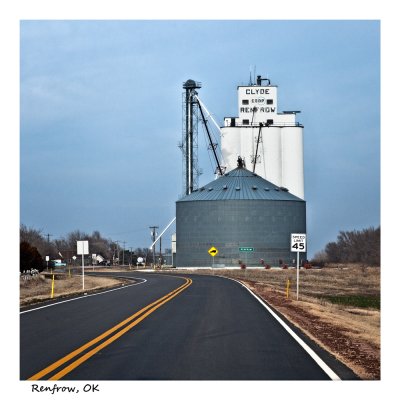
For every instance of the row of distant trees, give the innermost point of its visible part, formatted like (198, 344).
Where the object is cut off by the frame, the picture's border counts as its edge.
(350, 247)
(35, 246)
(362, 246)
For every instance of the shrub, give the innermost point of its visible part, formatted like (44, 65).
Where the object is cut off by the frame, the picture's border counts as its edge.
(29, 258)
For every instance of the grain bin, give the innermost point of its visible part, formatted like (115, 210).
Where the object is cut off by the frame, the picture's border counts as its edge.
(239, 210)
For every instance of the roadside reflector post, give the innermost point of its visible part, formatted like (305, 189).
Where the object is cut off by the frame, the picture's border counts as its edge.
(298, 245)
(52, 287)
(287, 288)
(82, 247)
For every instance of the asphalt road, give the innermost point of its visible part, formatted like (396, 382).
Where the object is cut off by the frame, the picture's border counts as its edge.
(165, 328)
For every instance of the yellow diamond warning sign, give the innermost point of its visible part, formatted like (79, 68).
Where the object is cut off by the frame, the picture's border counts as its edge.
(213, 251)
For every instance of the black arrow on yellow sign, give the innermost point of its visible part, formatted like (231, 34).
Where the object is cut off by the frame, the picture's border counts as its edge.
(213, 251)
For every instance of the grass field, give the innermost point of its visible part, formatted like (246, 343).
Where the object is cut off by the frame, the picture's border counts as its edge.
(39, 288)
(373, 302)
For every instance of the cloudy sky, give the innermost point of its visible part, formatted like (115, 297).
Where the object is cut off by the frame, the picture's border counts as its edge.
(101, 116)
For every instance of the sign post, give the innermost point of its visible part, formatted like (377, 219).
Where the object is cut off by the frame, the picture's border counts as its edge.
(298, 244)
(82, 247)
(212, 251)
(246, 250)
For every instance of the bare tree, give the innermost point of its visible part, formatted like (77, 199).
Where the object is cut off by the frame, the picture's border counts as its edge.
(356, 246)
(35, 238)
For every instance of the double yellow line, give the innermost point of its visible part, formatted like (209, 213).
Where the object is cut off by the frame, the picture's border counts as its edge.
(110, 335)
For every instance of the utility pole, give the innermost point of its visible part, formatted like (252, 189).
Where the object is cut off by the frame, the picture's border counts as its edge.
(153, 236)
(48, 237)
(130, 263)
(123, 254)
(160, 253)
(117, 248)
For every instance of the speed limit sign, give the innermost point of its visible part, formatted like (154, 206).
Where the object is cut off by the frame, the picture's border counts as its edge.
(298, 242)
(298, 245)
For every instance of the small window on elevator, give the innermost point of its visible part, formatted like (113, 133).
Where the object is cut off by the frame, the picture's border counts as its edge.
(245, 102)
(246, 122)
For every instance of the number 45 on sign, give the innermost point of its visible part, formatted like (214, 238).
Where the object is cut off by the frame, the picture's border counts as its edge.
(298, 242)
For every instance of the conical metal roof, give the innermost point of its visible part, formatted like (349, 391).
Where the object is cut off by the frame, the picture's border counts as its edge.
(240, 184)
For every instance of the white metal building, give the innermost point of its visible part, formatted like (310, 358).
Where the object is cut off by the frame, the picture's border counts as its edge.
(261, 135)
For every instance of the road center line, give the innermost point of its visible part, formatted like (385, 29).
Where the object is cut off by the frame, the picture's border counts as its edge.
(142, 314)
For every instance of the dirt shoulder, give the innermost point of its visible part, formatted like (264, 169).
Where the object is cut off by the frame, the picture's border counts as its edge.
(351, 335)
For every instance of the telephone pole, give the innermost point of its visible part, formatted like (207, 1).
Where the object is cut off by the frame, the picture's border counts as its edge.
(153, 236)
(123, 254)
(160, 253)
(130, 263)
(117, 248)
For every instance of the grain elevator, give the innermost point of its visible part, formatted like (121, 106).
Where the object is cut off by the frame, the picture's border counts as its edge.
(271, 142)
(257, 198)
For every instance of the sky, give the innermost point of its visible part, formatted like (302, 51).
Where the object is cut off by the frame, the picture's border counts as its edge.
(101, 117)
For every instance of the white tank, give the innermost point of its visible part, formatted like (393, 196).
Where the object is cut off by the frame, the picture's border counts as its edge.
(292, 160)
(270, 152)
(280, 150)
(230, 147)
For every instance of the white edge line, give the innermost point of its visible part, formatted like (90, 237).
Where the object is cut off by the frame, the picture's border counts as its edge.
(86, 296)
(305, 346)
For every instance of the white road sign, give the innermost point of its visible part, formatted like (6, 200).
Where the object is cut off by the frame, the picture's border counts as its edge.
(298, 242)
(82, 247)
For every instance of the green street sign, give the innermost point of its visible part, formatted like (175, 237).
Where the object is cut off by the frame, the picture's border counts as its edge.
(246, 248)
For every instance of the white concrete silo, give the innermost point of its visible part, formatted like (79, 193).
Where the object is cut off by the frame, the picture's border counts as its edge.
(279, 154)
(292, 160)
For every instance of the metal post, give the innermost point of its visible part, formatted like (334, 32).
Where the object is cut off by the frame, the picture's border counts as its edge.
(297, 291)
(83, 272)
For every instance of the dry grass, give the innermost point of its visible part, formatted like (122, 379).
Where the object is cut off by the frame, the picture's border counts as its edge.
(39, 288)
